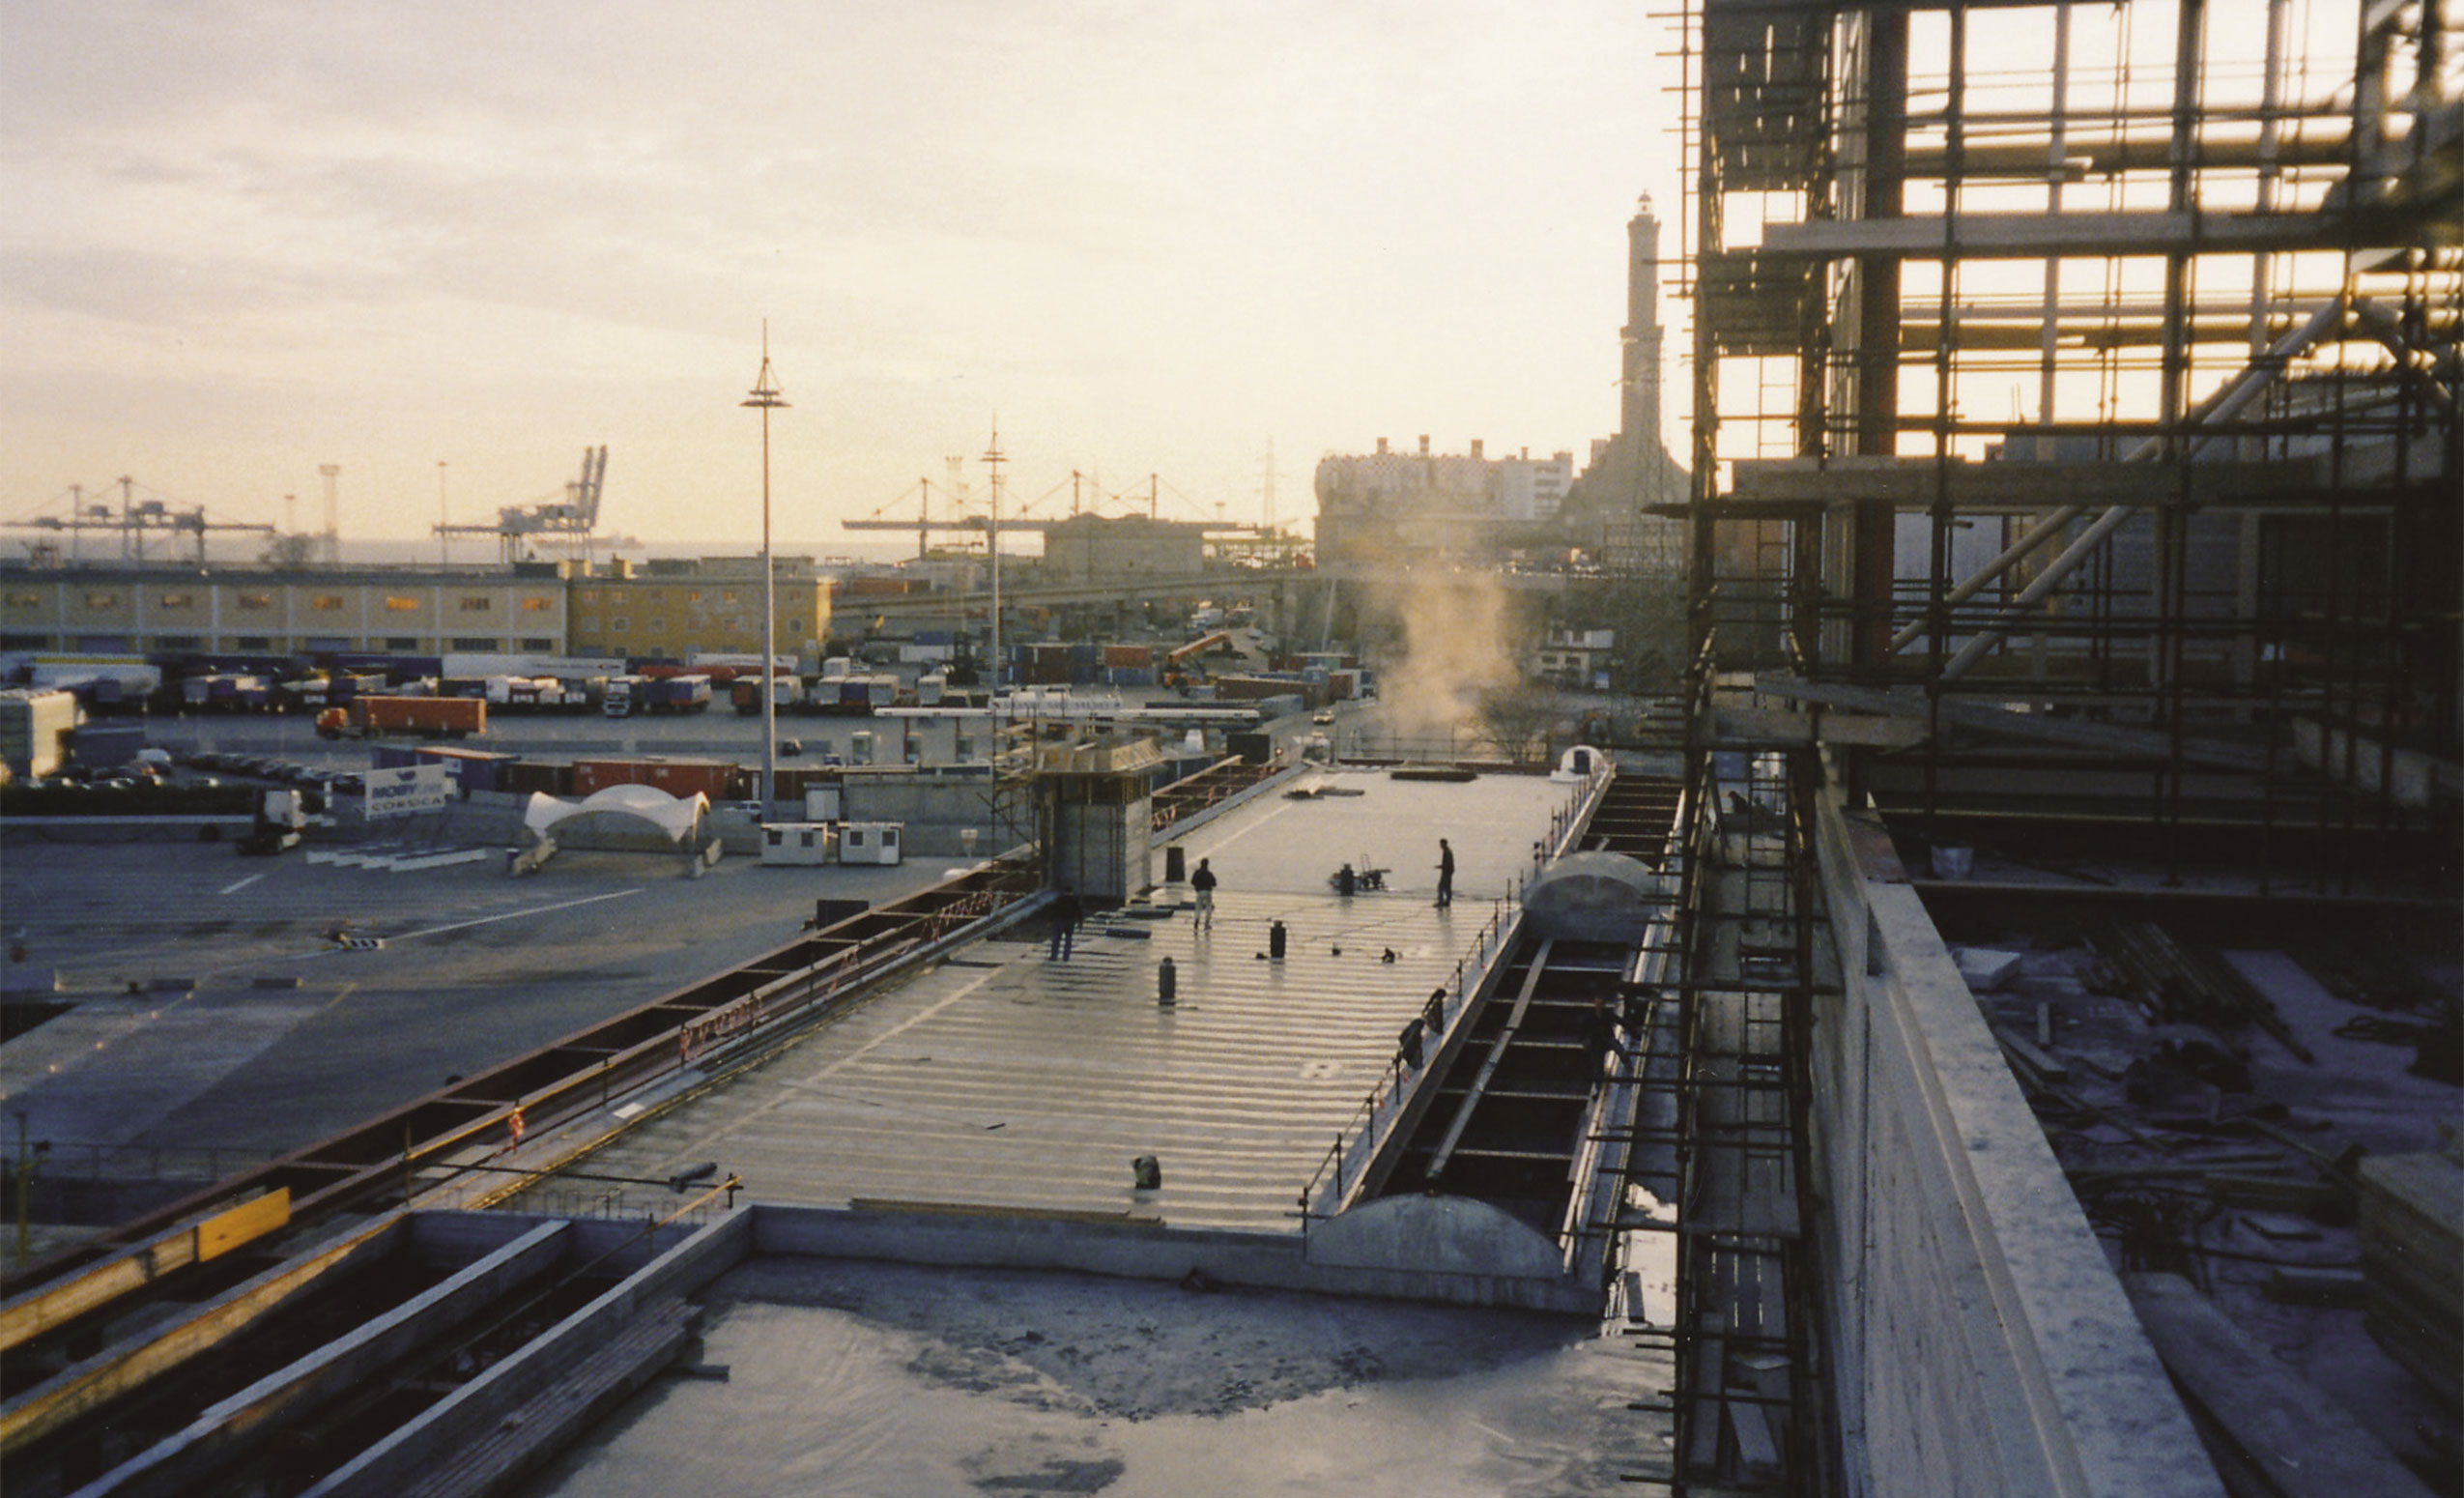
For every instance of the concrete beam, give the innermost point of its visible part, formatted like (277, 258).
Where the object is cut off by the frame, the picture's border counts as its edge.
(181, 1463)
(2036, 236)
(1915, 482)
(122, 1368)
(393, 1464)
(1779, 727)
(208, 1238)
(1986, 718)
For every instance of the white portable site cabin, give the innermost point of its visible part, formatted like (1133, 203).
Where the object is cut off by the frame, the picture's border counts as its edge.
(870, 842)
(794, 843)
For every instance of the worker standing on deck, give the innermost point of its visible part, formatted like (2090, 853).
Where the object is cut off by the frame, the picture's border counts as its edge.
(1203, 883)
(1446, 873)
(1067, 912)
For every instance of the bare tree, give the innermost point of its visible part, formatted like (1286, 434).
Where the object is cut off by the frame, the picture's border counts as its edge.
(1516, 720)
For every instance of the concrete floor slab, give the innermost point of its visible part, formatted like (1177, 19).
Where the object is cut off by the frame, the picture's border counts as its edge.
(1006, 1079)
(870, 1378)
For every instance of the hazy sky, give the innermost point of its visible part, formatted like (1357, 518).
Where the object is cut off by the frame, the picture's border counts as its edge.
(248, 238)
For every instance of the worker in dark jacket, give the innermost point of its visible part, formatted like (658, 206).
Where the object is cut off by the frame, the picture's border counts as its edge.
(1202, 882)
(1067, 912)
(1446, 873)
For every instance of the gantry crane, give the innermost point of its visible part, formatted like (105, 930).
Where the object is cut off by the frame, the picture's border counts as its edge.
(565, 524)
(134, 520)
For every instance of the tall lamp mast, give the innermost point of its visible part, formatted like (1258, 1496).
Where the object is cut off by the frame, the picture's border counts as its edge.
(766, 399)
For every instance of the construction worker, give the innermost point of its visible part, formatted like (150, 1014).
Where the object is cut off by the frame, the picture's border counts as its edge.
(1067, 912)
(1202, 882)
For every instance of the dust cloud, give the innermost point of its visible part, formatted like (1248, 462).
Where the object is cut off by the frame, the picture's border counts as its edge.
(1455, 648)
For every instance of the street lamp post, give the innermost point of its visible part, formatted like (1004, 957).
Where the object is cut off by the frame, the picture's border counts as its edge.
(993, 458)
(766, 399)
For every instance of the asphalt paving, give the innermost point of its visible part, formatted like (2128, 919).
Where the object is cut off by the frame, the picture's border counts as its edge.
(209, 1006)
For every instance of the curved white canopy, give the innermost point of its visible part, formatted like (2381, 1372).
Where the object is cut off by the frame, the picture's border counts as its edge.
(673, 816)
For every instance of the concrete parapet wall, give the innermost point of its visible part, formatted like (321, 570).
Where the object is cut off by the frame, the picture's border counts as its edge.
(1152, 1250)
(1979, 1340)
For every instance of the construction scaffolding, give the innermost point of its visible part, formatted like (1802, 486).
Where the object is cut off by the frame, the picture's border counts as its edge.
(2080, 385)
(2074, 402)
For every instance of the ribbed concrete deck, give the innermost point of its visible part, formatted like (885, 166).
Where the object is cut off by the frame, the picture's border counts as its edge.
(1003, 1081)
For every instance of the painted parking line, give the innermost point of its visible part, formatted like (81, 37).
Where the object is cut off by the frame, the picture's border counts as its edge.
(233, 889)
(513, 915)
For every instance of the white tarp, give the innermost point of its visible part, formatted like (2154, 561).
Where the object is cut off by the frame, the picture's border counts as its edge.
(675, 816)
(402, 790)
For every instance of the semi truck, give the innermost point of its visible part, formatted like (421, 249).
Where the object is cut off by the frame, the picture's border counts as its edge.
(281, 815)
(677, 693)
(426, 717)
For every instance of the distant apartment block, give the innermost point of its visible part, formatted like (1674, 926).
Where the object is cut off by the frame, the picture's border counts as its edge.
(1387, 507)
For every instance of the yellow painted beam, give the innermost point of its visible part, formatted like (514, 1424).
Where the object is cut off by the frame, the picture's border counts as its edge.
(46, 1408)
(31, 1315)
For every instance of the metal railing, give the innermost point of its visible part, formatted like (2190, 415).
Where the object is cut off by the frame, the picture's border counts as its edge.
(1364, 1133)
(82, 1160)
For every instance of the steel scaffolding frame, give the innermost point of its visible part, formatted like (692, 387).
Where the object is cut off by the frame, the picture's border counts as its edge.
(2214, 263)
(2205, 576)
(1734, 1151)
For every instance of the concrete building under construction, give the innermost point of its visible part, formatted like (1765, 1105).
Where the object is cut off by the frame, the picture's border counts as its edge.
(2075, 509)
(1997, 1034)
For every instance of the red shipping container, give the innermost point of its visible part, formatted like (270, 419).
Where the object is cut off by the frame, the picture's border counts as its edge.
(717, 779)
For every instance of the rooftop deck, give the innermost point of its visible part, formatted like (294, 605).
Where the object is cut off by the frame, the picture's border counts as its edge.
(1003, 1081)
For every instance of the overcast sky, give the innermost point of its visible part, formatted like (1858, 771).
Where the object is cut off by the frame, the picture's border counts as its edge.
(248, 238)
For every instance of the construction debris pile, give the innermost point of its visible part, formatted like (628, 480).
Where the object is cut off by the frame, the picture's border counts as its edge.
(2269, 1119)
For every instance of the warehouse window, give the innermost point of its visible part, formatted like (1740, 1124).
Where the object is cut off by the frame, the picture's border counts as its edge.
(103, 600)
(177, 601)
(25, 601)
(255, 603)
(326, 603)
(537, 605)
(656, 625)
(395, 603)
(474, 643)
(8, 642)
(619, 623)
(402, 641)
(537, 643)
(179, 641)
(252, 642)
(480, 604)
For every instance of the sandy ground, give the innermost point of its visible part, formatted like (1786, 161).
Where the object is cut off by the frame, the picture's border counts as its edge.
(850, 1378)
